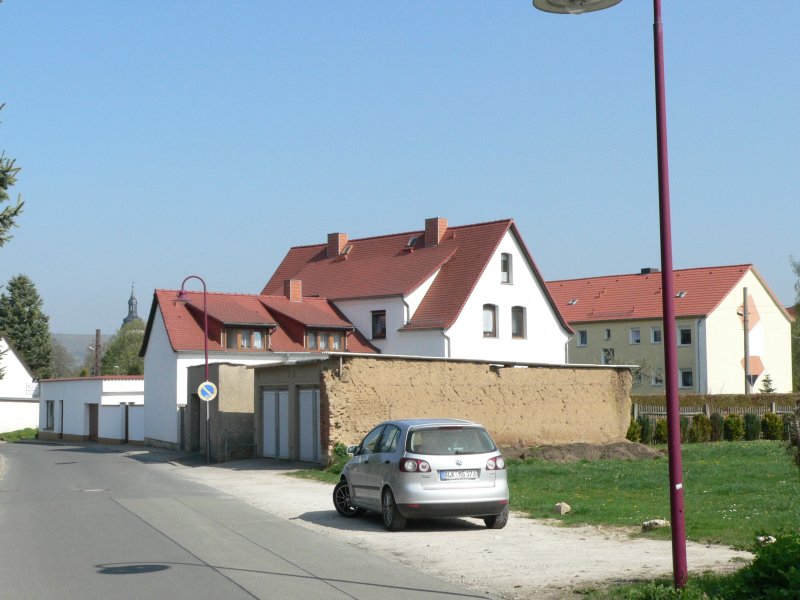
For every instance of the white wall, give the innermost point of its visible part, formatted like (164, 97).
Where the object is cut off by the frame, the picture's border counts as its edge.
(770, 339)
(136, 423)
(18, 414)
(77, 394)
(545, 340)
(17, 381)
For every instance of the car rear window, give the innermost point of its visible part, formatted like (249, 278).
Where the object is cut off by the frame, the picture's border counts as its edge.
(450, 440)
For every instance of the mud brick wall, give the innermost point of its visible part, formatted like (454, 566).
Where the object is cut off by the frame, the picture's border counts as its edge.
(519, 406)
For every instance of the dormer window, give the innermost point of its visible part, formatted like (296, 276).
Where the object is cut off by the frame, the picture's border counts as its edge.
(505, 268)
(325, 340)
(245, 340)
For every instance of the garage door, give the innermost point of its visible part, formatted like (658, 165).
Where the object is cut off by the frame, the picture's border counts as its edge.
(309, 424)
(276, 423)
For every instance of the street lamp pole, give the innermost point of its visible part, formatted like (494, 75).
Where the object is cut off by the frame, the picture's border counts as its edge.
(678, 522)
(184, 297)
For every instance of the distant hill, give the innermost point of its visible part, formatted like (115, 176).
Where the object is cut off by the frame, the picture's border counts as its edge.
(77, 344)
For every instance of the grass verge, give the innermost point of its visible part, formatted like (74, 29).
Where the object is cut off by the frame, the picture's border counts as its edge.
(21, 434)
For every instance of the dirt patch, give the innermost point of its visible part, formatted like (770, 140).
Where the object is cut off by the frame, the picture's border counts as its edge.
(623, 450)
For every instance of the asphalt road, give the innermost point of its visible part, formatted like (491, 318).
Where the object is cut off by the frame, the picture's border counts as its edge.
(91, 522)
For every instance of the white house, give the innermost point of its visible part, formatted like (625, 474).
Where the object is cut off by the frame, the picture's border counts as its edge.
(471, 291)
(19, 406)
(107, 409)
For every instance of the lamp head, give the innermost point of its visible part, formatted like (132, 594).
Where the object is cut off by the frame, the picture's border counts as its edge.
(182, 296)
(573, 7)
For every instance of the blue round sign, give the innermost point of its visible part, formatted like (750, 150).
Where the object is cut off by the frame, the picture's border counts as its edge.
(207, 391)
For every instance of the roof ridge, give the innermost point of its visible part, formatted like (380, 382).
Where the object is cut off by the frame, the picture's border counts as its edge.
(242, 294)
(402, 233)
(674, 271)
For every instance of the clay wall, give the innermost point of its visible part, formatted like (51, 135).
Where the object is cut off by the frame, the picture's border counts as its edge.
(519, 406)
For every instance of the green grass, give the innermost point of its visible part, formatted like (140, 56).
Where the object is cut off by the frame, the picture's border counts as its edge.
(733, 491)
(22, 434)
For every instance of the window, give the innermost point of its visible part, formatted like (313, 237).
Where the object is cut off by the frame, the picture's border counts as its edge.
(244, 342)
(606, 334)
(389, 439)
(369, 445)
(655, 335)
(583, 337)
(336, 341)
(505, 268)
(258, 340)
(51, 415)
(245, 339)
(489, 320)
(324, 340)
(687, 378)
(608, 356)
(636, 335)
(657, 379)
(518, 322)
(378, 324)
(684, 336)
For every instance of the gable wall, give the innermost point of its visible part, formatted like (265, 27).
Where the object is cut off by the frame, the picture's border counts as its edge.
(16, 381)
(770, 339)
(545, 341)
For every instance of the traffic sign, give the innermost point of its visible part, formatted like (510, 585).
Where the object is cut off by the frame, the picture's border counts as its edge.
(207, 391)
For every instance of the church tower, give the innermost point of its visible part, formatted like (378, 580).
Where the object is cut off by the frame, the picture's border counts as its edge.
(132, 304)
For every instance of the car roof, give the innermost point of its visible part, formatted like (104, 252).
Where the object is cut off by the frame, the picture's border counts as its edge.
(409, 423)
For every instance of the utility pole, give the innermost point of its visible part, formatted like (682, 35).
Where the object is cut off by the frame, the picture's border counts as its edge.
(96, 352)
(748, 388)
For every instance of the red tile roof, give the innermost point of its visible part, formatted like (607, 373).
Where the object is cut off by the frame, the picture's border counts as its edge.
(384, 266)
(184, 320)
(311, 312)
(638, 296)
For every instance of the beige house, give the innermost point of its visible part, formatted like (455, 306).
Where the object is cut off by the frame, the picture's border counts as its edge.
(618, 320)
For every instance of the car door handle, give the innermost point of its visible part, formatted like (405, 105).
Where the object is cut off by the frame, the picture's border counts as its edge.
(386, 462)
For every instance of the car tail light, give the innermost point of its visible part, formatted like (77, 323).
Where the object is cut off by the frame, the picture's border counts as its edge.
(414, 465)
(496, 463)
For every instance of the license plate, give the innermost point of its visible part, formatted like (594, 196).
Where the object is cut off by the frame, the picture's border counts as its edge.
(458, 475)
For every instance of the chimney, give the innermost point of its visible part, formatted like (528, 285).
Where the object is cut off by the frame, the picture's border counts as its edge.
(648, 271)
(336, 243)
(293, 289)
(435, 229)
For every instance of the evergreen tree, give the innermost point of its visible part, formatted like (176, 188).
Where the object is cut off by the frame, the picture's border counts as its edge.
(25, 325)
(121, 354)
(766, 385)
(9, 214)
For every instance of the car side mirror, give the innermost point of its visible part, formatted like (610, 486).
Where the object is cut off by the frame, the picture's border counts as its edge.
(352, 450)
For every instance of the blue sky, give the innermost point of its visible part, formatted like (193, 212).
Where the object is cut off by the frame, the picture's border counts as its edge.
(162, 139)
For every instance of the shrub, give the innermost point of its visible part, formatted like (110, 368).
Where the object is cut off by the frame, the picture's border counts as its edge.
(772, 427)
(686, 423)
(700, 431)
(793, 435)
(646, 424)
(717, 427)
(338, 459)
(734, 428)
(773, 574)
(634, 431)
(660, 435)
(752, 427)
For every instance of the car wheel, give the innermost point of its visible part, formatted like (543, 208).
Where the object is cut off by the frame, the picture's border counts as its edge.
(341, 500)
(497, 521)
(392, 519)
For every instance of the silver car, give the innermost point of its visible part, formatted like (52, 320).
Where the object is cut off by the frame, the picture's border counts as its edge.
(425, 468)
